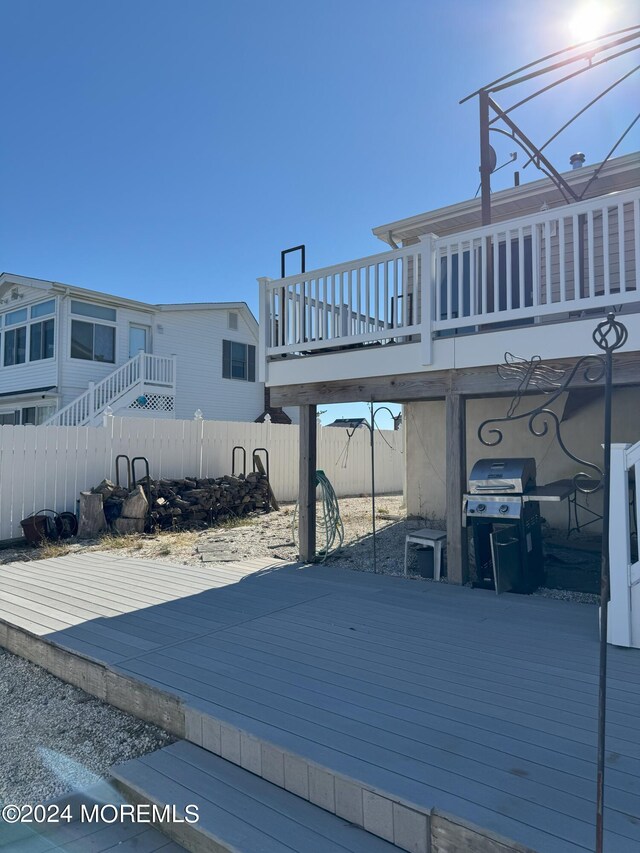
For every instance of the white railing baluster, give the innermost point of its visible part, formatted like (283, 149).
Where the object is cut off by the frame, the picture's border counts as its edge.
(507, 248)
(605, 250)
(591, 255)
(577, 257)
(472, 278)
(460, 292)
(636, 243)
(621, 257)
(562, 260)
(394, 298)
(496, 272)
(386, 294)
(449, 283)
(535, 265)
(547, 262)
(521, 272)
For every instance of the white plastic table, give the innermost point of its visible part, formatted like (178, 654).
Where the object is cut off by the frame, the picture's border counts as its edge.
(431, 539)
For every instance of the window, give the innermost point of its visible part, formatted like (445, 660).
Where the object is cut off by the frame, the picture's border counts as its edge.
(9, 418)
(36, 415)
(92, 341)
(23, 335)
(14, 317)
(238, 361)
(139, 339)
(100, 312)
(42, 309)
(233, 320)
(41, 340)
(15, 346)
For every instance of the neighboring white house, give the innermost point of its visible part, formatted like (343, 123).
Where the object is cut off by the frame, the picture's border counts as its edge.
(67, 353)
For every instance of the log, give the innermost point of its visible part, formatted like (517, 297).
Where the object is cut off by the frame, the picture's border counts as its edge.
(92, 520)
(136, 505)
(126, 526)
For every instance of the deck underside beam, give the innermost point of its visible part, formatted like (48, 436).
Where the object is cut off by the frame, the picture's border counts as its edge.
(435, 385)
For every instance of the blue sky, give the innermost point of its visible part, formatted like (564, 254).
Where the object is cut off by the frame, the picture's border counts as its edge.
(168, 150)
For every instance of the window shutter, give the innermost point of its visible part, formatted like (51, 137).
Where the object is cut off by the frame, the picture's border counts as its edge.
(251, 373)
(226, 359)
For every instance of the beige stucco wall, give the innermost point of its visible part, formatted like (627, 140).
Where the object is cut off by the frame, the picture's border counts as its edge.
(582, 433)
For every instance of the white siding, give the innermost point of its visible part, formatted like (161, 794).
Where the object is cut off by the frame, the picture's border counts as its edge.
(194, 335)
(77, 373)
(36, 374)
(196, 338)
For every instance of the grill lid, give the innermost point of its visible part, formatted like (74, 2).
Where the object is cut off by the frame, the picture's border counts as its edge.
(501, 476)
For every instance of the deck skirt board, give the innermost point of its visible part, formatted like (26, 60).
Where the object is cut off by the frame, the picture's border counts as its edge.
(428, 696)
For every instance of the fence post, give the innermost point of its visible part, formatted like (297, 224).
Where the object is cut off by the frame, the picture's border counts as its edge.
(619, 622)
(427, 255)
(264, 326)
(107, 416)
(91, 408)
(174, 370)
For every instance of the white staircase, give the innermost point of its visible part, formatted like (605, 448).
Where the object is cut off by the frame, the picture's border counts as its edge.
(142, 375)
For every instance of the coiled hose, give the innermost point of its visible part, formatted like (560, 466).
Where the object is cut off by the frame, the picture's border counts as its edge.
(329, 526)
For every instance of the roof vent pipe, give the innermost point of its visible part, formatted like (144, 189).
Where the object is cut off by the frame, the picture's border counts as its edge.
(577, 160)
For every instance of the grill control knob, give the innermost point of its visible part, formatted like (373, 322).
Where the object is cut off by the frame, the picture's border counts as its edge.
(504, 509)
(481, 507)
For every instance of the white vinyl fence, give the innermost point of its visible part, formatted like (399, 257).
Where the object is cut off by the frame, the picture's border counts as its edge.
(46, 467)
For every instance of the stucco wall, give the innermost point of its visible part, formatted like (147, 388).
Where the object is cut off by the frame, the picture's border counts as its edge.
(582, 433)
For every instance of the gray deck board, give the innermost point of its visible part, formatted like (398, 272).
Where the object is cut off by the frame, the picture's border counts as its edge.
(446, 771)
(479, 705)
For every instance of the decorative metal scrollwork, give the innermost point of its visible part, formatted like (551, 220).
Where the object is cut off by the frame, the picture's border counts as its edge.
(609, 335)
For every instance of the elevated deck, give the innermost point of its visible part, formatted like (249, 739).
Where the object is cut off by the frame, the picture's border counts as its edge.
(417, 710)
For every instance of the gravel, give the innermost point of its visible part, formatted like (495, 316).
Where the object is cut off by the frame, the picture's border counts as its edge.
(57, 738)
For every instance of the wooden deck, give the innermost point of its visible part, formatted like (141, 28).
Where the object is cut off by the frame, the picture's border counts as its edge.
(361, 693)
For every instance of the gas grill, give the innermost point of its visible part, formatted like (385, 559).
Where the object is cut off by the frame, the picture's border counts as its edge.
(503, 510)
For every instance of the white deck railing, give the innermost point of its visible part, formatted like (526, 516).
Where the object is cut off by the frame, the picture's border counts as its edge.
(569, 259)
(141, 371)
(624, 607)
(367, 300)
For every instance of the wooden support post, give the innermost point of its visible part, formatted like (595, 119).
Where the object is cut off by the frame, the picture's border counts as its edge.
(307, 484)
(456, 468)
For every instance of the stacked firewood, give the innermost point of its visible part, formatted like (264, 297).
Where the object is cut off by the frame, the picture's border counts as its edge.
(185, 502)
(207, 500)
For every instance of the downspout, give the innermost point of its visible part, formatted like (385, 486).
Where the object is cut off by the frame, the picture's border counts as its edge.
(60, 316)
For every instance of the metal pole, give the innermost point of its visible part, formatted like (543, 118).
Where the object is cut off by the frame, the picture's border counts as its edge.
(605, 594)
(485, 158)
(373, 486)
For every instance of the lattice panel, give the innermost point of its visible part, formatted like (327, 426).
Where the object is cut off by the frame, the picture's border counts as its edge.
(154, 403)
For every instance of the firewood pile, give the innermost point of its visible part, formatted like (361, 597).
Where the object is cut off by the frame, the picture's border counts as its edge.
(186, 502)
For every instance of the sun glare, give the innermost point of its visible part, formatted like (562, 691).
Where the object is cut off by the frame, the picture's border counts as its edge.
(589, 21)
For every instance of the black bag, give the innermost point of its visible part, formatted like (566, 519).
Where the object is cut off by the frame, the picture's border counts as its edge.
(40, 527)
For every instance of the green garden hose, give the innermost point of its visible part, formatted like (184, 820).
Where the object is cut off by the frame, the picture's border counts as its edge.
(329, 524)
